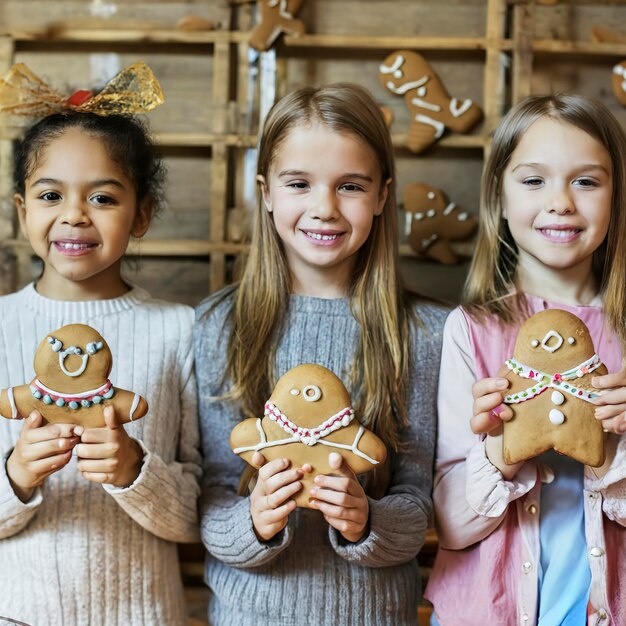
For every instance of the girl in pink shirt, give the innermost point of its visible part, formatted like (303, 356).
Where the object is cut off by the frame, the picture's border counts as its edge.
(543, 541)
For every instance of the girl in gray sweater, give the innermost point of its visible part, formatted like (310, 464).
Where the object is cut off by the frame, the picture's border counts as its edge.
(320, 286)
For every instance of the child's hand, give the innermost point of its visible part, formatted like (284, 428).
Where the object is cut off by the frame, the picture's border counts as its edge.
(488, 410)
(612, 401)
(40, 451)
(108, 454)
(270, 500)
(342, 500)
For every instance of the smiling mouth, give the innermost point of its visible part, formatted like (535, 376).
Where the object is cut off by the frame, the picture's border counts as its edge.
(563, 234)
(66, 245)
(321, 237)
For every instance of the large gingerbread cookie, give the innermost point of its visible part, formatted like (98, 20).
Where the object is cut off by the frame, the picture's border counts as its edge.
(308, 416)
(550, 394)
(406, 73)
(432, 222)
(71, 384)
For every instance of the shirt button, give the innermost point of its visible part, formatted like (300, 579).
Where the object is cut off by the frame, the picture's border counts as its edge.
(596, 552)
(594, 495)
(525, 617)
(602, 614)
(532, 509)
(526, 567)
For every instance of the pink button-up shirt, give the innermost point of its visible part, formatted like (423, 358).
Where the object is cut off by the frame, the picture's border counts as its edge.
(486, 571)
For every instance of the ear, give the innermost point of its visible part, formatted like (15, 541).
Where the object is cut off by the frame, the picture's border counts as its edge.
(20, 207)
(264, 192)
(142, 219)
(382, 196)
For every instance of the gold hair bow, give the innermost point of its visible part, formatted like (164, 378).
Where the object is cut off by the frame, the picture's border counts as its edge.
(133, 90)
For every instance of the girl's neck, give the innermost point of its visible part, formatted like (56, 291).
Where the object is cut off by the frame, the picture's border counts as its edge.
(573, 285)
(104, 286)
(329, 283)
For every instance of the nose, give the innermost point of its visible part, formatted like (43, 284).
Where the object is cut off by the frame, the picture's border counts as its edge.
(74, 213)
(560, 202)
(324, 206)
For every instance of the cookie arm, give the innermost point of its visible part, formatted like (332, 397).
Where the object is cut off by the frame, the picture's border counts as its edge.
(398, 521)
(163, 498)
(470, 494)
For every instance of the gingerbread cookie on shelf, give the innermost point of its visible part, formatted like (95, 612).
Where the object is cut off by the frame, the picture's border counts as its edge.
(276, 17)
(71, 384)
(432, 222)
(619, 82)
(550, 394)
(308, 416)
(406, 73)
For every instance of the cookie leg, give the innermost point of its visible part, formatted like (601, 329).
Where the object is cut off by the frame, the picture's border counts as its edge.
(423, 131)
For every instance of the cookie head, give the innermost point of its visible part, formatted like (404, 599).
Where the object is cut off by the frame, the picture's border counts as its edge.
(72, 359)
(553, 341)
(308, 394)
(403, 71)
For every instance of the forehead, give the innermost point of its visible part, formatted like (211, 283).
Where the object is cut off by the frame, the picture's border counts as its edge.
(73, 154)
(313, 146)
(554, 141)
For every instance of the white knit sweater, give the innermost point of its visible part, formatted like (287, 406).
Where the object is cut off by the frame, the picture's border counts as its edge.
(79, 552)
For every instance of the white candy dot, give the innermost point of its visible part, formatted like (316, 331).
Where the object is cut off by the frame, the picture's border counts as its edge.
(421, 91)
(557, 398)
(398, 74)
(556, 417)
(571, 340)
(534, 343)
(295, 392)
(431, 195)
(431, 213)
(312, 393)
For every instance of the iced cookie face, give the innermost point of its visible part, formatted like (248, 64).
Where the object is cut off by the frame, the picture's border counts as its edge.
(550, 391)
(73, 358)
(308, 417)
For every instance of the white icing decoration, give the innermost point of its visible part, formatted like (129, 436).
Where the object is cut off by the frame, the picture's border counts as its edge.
(419, 216)
(64, 354)
(458, 109)
(294, 392)
(571, 341)
(431, 195)
(402, 89)
(552, 334)
(534, 343)
(462, 216)
(449, 208)
(398, 74)
(12, 403)
(418, 102)
(557, 398)
(421, 91)
(83, 394)
(556, 417)
(311, 393)
(619, 70)
(437, 125)
(394, 67)
(430, 213)
(134, 406)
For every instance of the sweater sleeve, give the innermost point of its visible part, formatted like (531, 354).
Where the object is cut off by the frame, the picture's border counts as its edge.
(14, 514)
(470, 494)
(163, 499)
(398, 521)
(226, 524)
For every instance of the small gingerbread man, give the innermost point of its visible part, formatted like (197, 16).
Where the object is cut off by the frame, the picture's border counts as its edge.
(277, 16)
(71, 384)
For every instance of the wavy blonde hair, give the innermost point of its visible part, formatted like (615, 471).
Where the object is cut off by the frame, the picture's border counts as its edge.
(492, 272)
(377, 300)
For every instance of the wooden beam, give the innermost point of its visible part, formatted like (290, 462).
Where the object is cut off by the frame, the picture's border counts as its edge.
(522, 51)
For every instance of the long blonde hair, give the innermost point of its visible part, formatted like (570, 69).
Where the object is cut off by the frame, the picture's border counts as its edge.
(492, 272)
(377, 299)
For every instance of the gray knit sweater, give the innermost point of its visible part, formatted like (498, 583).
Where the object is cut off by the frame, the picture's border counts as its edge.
(79, 553)
(308, 574)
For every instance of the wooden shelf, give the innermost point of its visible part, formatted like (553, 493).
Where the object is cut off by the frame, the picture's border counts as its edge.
(365, 42)
(579, 47)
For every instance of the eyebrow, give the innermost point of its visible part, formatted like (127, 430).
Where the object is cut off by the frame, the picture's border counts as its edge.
(100, 182)
(586, 166)
(356, 175)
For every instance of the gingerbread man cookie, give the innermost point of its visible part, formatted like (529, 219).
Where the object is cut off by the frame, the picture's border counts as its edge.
(431, 223)
(550, 394)
(406, 73)
(277, 16)
(308, 416)
(619, 82)
(71, 384)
